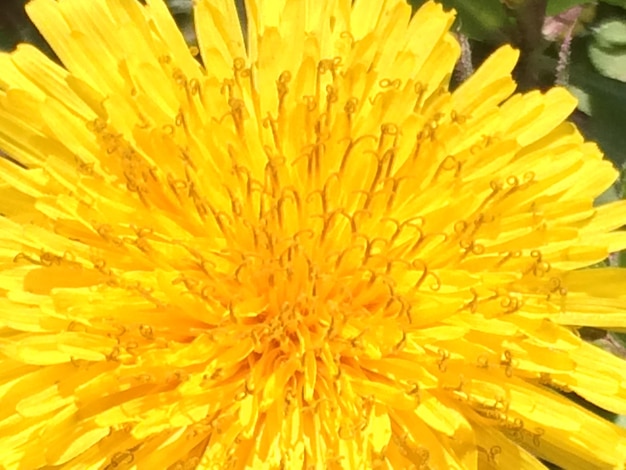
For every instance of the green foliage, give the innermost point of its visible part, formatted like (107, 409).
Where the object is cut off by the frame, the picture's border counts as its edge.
(598, 78)
(554, 7)
(603, 100)
(486, 20)
(607, 50)
(610, 33)
(619, 3)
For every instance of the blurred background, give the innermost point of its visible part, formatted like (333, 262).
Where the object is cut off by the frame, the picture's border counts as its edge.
(579, 45)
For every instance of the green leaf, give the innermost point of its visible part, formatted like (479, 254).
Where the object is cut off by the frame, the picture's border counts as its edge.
(610, 62)
(619, 3)
(607, 50)
(555, 7)
(180, 7)
(5, 41)
(486, 20)
(610, 195)
(610, 32)
(604, 100)
(620, 420)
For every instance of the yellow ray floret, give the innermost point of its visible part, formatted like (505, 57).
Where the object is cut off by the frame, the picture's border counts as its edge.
(293, 246)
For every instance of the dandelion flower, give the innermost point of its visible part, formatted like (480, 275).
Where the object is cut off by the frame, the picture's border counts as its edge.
(296, 247)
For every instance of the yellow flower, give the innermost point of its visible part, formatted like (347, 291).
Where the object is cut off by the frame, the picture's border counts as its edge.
(298, 249)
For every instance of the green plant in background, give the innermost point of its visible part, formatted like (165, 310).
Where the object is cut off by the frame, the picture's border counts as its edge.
(15, 27)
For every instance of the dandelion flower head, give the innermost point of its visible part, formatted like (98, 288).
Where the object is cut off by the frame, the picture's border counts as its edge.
(296, 247)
